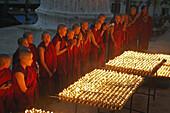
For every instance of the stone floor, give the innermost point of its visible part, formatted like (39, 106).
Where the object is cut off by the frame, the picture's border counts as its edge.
(8, 44)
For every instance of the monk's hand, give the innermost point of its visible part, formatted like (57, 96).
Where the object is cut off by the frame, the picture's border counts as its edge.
(105, 27)
(54, 70)
(5, 86)
(137, 16)
(50, 74)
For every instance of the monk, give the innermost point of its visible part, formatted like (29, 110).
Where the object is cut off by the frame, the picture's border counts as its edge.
(71, 43)
(6, 89)
(97, 45)
(32, 47)
(79, 52)
(47, 65)
(132, 29)
(25, 82)
(115, 40)
(61, 48)
(104, 35)
(87, 39)
(145, 29)
(23, 44)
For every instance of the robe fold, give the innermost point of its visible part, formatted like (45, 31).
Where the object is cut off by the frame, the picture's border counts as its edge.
(50, 59)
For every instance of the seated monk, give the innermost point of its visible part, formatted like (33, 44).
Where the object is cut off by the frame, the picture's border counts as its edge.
(6, 91)
(25, 82)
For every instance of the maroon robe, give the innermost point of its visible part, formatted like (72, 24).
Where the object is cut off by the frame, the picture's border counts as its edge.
(87, 64)
(132, 32)
(6, 95)
(96, 53)
(33, 50)
(26, 100)
(50, 59)
(117, 34)
(145, 32)
(76, 61)
(70, 62)
(105, 41)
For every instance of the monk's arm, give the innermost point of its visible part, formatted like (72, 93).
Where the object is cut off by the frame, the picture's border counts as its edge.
(21, 81)
(41, 53)
(57, 49)
(94, 41)
(111, 34)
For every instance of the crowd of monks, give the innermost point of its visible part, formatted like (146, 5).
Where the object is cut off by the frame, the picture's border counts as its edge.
(58, 62)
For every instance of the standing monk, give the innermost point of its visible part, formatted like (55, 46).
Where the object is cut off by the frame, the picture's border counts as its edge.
(132, 29)
(79, 52)
(25, 82)
(115, 40)
(48, 65)
(6, 89)
(87, 39)
(71, 43)
(104, 36)
(145, 29)
(23, 44)
(61, 48)
(32, 47)
(97, 45)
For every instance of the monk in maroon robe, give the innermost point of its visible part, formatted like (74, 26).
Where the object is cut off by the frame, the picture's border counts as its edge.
(97, 45)
(61, 48)
(6, 88)
(132, 30)
(47, 66)
(78, 54)
(104, 35)
(115, 40)
(25, 82)
(23, 44)
(71, 43)
(145, 29)
(33, 49)
(87, 39)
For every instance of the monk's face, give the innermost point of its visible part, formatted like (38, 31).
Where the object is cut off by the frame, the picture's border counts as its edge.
(145, 10)
(27, 60)
(98, 26)
(102, 19)
(63, 31)
(77, 30)
(133, 11)
(85, 26)
(25, 43)
(30, 38)
(7, 64)
(117, 19)
(46, 38)
(70, 35)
